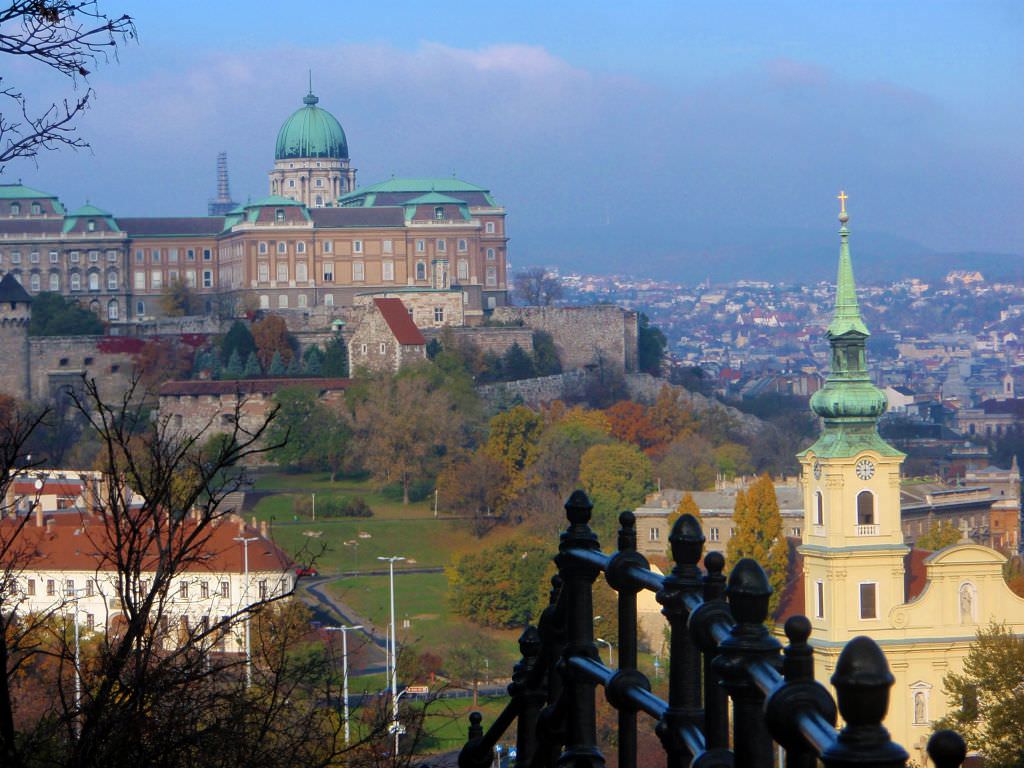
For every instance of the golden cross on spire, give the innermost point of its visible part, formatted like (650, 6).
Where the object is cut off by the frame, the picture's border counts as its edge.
(842, 197)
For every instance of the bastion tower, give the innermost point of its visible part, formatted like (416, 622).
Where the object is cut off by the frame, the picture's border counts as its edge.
(311, 163)
(15, 312)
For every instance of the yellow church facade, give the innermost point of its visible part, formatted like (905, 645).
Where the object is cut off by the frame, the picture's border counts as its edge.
(858, 577)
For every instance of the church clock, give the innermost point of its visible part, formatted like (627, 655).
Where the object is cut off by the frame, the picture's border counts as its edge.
(865, 469)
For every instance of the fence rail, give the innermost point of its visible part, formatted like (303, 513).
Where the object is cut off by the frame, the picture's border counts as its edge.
(720, 651)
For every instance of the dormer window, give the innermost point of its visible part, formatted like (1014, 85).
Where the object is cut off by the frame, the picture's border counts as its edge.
(439, 212)
(91, 225)
(15, 209)
(37, 209)
(279, 214)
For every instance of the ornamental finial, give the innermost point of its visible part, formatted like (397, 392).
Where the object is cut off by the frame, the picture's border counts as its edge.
(843, 215)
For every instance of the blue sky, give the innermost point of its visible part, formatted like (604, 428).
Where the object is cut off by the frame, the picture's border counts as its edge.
(631, 137)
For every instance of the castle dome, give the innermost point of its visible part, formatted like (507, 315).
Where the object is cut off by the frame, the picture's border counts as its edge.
(311, 132)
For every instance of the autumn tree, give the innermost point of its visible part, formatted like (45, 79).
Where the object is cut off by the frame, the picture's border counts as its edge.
(759, 535)
(404, 428)
(686, 506)
(939, 536)
(474, 488)
(162, 360)
(537, 287)
(70, 37)
(309, 433)
(498, 586)
(470, 658)
(688, 464)
(630, 423)
(271, 337)
(617, 477)
(178, 298)
(988, 696)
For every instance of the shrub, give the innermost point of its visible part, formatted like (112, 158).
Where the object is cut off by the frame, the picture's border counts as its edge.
(331, 506)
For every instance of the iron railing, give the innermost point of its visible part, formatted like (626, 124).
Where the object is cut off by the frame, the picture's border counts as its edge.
(720, 649)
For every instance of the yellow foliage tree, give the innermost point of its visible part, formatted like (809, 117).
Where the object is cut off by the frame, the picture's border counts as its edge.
(759, 535)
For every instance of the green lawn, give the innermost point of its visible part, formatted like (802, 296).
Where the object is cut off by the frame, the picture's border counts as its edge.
(384, 505)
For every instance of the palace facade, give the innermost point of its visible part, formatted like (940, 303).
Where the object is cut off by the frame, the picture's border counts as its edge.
(316, 241)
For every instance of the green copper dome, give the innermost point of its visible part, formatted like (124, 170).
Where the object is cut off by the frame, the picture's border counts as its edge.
(311, 132)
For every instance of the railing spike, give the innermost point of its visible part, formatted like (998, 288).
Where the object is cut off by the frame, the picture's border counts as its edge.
(947, 749)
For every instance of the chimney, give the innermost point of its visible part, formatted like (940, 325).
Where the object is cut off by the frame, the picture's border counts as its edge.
(39, 515)
(263, 528)
(254, 522)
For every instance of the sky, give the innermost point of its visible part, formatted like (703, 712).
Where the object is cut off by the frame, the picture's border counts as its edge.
(651, 138)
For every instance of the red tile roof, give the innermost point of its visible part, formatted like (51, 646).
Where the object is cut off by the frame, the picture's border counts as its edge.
(75, 542)
(398, 320)
(66, 488)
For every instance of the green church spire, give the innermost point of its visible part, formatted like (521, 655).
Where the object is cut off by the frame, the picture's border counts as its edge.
(849, 403)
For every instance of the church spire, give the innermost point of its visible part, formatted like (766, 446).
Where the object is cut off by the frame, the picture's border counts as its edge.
(847, 312)
(849, 403)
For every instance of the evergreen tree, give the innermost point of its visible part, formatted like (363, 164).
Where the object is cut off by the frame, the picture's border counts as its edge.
(545, 356)
(759, 535)
(234, 368)
(313, 361)
(335, 363)
(237, 339)
(516, 364)
(294, 367)
(252, 367)
(277, 365)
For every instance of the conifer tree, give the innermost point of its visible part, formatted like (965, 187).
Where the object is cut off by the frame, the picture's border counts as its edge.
(313, 361)
(759, 535)
(277, 365)
(234, 369)
(294, 367)
(252, 367)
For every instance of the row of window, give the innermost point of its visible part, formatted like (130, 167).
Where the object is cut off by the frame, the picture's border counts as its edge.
(868, 593)
(387, 246)
(156, 278)
(35, 281)
(173, 255)
(714, 533)
(73, 257)
(184, 588)
(36, 209)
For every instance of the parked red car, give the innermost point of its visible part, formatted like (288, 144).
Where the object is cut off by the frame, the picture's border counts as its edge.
(305, 570)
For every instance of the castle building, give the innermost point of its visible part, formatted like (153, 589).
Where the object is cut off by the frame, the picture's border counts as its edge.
(315, 241)
(854, 573)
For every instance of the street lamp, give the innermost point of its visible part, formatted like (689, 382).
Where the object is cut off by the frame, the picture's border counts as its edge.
(75, 595)
(344, 668)
(393, 648)
(245, 596)
(605, 642)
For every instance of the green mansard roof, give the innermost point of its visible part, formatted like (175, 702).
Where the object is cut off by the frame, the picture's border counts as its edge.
(402, 191)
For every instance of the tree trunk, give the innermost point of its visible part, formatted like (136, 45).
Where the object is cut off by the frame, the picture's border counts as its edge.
(476, 689)
(405, 488)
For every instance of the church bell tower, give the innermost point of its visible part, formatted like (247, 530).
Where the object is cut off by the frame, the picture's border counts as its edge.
(852, 546)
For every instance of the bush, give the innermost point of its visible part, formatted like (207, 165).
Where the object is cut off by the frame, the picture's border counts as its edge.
(331, 506)
(418, 490)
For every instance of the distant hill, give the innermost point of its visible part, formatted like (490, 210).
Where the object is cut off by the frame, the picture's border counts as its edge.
(758, 254)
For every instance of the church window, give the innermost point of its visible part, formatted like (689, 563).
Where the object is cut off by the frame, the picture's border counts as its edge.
(319, 183)
(291, 183)
(54, 281)
(819, 599)
(869, 600)
(387, 269)
(865, 508)
(819, 508)
(282, 272)
(94, 256)
(358, 271)
(112, 309)
(421, 270)
(33, 281)
(328, 272)
(76, 281)
(94, 281)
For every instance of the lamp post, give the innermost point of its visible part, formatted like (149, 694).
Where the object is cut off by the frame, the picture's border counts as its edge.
(245, 596)
(611, 661)
(75, 595)
(393, 648)
(314, 508)
(344, 668)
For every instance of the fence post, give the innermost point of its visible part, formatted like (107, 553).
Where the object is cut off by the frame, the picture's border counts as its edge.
(748, 642)
(627, 675)
(528, 688)
(862, 681)
(716, 702)
(684, 670)
(947, 749)
(550, 726)
(578, 603)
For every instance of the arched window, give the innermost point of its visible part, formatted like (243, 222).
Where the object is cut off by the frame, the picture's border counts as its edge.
(865, 508)
(112, 280)
(94, 281)
(819, 508)
(76, 281)
(463, 269)
(33, 281)
(55, 281)
(112, 309)
(421, 270)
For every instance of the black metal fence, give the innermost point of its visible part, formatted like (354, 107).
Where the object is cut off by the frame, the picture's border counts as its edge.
(720, 649)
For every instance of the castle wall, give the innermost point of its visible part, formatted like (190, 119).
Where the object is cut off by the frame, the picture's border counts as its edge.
(488, 339)
(14, 373)
(582, 335)
(58, 361)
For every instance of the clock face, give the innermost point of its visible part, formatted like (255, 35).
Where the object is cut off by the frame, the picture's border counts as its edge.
(865, 469)
(817, 470)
